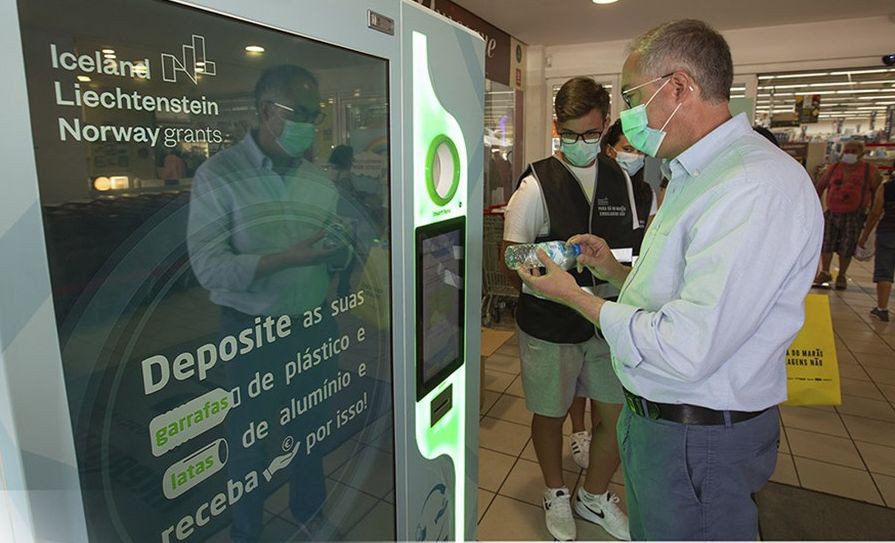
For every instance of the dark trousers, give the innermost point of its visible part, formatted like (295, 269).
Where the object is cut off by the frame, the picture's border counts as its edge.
(688, 482)
(307, 487)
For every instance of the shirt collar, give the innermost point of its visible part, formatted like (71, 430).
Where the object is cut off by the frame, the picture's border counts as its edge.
(699, 155)
(254, 153)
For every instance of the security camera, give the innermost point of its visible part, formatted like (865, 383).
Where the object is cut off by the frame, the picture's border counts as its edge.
(889, 60)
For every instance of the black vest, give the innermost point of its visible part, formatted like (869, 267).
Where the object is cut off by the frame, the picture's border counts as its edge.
(570, 213)
(643, 199)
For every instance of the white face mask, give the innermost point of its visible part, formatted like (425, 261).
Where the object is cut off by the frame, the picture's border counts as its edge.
(849, 158)
(631, 162)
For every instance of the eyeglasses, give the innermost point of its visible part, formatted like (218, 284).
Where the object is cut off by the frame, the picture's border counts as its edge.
(303, 115)
(569, 137)
(626, 93)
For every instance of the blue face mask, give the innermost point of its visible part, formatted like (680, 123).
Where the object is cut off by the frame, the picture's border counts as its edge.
(630, 162)
(635, 124)
(296, 138)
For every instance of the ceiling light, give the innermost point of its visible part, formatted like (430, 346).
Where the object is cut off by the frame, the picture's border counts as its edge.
(856, 91)
(254, 49)
(108, 51)
(873, 71)
(821, 92)
(109, 56)
(119, 182)
(102, 184)
(799, 85)
(604, 2)
(83, 79)
(792, 76)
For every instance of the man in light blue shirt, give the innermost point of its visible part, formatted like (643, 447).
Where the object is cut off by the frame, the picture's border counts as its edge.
(257, 211)
(256, 225)
(701, 327)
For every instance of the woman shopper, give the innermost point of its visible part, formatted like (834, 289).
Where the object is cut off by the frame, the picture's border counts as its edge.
(850, 185)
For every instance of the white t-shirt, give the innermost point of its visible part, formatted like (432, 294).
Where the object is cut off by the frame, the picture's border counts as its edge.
(526, 216)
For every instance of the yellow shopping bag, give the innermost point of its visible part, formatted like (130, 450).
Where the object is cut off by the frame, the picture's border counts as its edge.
(812, 371)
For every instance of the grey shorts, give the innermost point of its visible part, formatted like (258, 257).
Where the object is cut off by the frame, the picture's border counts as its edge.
(553, 374)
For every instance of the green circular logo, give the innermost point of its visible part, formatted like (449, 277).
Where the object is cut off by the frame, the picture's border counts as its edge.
(518, 53)
(442, 170)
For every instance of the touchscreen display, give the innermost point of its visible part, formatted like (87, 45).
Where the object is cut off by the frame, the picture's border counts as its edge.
(440, 252)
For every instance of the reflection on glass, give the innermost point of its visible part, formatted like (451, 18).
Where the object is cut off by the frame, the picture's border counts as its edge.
(217, 231)
(500, 115)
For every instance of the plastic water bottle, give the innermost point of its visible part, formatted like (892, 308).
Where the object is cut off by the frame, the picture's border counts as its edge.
(525, 255)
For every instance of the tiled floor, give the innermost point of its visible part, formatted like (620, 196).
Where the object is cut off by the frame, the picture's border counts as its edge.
(848, 450)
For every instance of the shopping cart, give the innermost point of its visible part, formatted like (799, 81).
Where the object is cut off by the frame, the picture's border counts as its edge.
(497, 293)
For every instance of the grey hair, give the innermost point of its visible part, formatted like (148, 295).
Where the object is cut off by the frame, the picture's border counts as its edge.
(692, 46)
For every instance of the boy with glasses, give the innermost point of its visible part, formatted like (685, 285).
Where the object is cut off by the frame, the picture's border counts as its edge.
(576, 190)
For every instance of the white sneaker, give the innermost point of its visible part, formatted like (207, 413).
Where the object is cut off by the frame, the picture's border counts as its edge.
(558, 513)
(579, 442)
(604, 511)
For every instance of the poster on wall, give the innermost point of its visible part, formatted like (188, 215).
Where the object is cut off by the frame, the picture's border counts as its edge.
(890, 123)
(227, 364)
(784, 119)
(808, 108)
(517, 64)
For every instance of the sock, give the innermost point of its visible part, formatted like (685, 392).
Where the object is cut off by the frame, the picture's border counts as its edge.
(590, 497)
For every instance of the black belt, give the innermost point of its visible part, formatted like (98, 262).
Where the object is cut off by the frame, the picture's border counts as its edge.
(685, 414)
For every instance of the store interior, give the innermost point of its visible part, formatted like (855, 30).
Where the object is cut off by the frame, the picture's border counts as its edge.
(835, 476)
(121, 285)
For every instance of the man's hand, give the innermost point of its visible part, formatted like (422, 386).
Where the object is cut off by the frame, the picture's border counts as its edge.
(557, 284)
(862, 241)
(598, 257)
(304, 253)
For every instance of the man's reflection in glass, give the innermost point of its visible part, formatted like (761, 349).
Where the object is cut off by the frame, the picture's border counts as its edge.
(256, 242)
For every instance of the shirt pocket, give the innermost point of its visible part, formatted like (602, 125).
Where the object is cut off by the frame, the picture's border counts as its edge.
(657, 274)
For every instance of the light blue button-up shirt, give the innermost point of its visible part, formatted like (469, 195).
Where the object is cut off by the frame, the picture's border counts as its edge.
(240, 210)
(717, 295)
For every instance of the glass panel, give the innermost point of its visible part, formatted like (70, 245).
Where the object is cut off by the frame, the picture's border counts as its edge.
(500, 115)
(217, 230)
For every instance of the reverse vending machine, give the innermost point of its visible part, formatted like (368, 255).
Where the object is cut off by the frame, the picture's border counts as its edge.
(241, 271)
